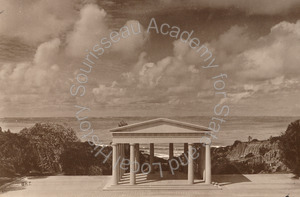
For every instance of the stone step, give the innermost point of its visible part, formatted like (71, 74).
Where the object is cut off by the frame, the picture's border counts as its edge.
(162, 187)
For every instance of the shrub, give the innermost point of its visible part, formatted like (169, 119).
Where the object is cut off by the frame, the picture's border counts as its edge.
(263, 150)
(290, 146)
(236, 142)
(79, 159)
(48, 142)
(95, 170)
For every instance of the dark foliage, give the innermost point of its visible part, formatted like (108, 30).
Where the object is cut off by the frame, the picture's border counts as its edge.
(274, 139)
(47, 142)
(236, 142)
(290, 146)
(79, 159)
(50, 149)
(263, 150)
(15, 155)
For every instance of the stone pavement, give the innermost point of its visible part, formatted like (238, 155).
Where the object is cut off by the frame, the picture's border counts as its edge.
(260, 185)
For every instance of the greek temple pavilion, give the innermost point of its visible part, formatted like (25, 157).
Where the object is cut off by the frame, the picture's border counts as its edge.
(126, 141)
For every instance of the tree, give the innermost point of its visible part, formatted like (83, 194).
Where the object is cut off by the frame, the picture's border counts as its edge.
(249, 138)
(48, 141)
(290, 146)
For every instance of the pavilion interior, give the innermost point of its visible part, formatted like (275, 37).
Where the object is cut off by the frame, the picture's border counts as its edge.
(162, 155)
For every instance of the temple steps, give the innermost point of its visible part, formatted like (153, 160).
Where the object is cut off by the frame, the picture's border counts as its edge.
(161, 187)
(165, 186)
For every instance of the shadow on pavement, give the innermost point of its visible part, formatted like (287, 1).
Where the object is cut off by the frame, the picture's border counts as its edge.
(229, 179)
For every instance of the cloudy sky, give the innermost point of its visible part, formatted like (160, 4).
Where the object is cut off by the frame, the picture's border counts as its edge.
(43, 44)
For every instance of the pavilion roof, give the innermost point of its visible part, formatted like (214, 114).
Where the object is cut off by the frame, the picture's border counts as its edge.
(160, 121)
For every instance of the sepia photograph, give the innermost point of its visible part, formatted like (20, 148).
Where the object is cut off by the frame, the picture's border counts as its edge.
(156, 98)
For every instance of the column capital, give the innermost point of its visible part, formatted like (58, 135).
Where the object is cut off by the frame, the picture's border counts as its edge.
(132, 144)
(190, 143)
(114, 144)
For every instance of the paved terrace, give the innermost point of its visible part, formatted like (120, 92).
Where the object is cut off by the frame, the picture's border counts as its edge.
(260, 185)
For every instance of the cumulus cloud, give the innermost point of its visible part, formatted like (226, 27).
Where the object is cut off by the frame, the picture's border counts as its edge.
(252, 91)
(37, 21)
(171, 80)
(108, 93)
(269, 56)
(133, 39)
(47, 52)
(36, 78)
(259, 66)
(87, 31)
(92, 27)
(65, 30)
(232, 42)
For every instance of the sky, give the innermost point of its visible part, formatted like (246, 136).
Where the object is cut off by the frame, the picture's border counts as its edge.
(43, 45)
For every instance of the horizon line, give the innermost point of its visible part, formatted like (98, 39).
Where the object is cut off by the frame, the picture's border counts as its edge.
(149, 116)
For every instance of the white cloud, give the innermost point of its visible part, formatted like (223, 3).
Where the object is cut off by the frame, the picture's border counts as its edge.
(88, 30)
(169, 80)
(37, 21)
(44, 79)
(92, 27)
(256, 67)
(133, 38)
(270, 56)
(259, 66)
(108, 93)
(47, 53)
(37, 77)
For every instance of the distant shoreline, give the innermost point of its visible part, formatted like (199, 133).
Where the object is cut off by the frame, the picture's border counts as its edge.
(151, 117)
(235, 128)
(73, 157)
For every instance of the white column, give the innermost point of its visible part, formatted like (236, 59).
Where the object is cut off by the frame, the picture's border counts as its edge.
(190, 165)
(151, 156)
(132, 166)
(120, 155)
(124, 156)
(207, 164)
(114, 164)
(119, 158)
(171, 152)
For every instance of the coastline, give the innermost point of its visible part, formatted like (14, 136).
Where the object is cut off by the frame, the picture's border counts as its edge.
(236, 127)
(254, 156)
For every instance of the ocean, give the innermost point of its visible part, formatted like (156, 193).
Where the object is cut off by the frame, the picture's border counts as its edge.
(235, 127)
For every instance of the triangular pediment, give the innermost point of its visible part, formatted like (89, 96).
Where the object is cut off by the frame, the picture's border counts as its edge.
(161, 125)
